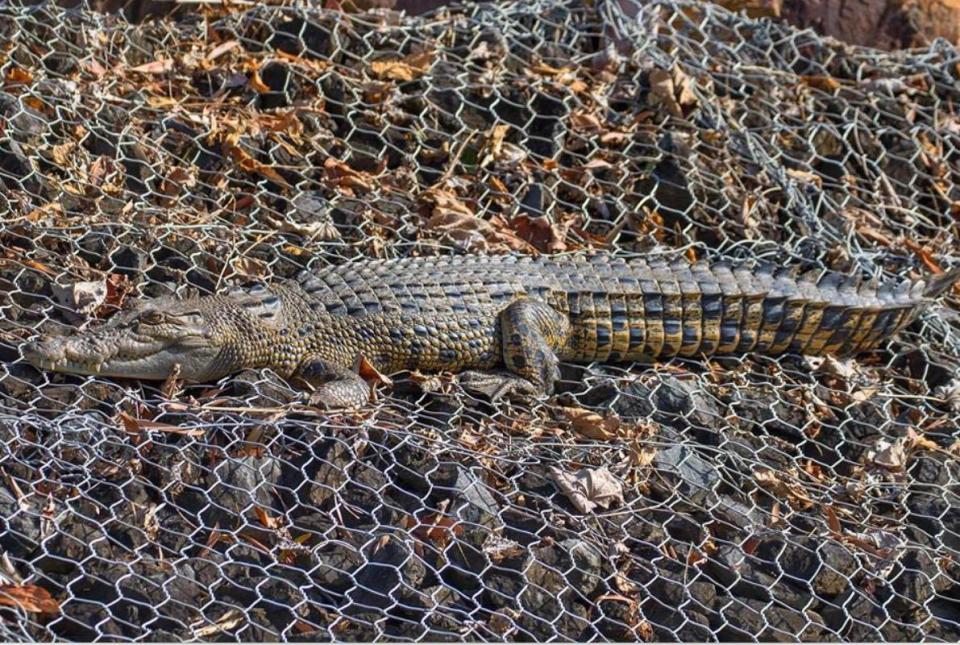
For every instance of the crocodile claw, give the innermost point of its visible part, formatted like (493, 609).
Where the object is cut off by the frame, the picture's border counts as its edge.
(498, 385)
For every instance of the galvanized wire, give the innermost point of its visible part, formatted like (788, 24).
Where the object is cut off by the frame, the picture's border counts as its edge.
(747, 498)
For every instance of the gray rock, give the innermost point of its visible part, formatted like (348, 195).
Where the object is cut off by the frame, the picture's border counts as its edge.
(682, 471)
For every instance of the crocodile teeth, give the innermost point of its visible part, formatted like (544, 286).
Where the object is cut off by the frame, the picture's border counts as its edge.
(97, 367)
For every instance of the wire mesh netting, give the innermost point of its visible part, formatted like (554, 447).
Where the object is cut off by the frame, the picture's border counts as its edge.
(730, 499)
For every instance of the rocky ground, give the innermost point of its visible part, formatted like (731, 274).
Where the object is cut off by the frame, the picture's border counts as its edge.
(733, 499)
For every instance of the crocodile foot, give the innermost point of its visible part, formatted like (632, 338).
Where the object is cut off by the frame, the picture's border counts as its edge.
(499, 385)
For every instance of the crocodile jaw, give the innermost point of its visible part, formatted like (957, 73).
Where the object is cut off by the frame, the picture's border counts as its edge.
(124, 356)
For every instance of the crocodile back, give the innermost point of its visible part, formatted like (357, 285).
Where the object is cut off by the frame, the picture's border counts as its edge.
(633, 309)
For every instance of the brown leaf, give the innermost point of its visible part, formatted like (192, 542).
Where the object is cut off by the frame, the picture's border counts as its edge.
(266, 519)
(257, 83)
(473, 234)
(62, 153)
(825, 83)
(49, 210)
(18, 76)
(39, 266)
(641, 453)
(926, 257)
(673, 88)
(406, 69)
(589, 488)
(135, 426)
(368, 372)
(591, 425)
(832, 520)
(221, 49)
(161, 66)
(231, 147)
(437, 528)
(891, 455)
(586, 122)
(545, 234)
(118, 288)
(340, 175)
(252, 268)
(695, 557)
(316, 66)
(805, 177)
(493, 147)
(30, 598)
(778, 485)
(917, 441)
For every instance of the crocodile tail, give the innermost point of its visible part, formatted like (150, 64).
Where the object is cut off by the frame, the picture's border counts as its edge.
(855, 316)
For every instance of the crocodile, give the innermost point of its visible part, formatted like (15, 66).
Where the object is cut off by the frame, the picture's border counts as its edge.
(505, 322)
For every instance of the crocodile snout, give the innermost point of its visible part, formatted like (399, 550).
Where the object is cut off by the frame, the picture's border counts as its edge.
(45, 352)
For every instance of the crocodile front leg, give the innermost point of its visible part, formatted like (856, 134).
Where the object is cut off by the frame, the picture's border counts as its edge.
(331, 386)
(532, 333)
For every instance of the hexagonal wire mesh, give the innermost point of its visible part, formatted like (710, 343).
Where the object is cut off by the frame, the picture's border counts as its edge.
(743, 498)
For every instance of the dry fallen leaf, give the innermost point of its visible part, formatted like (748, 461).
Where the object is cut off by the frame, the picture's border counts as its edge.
(232, 148)
(406, 69)
(950, 394)
(591, 425)
(805, 177)
(340, 175)
(783, 486)
(161, 66)
(256, 82)
(544, 233)
(589, 488)
(18, 76)
(586, 122)
(250, 268)
(29, 598)
(81, 297)
(229, 621)
(135, 426)
(436, 528)
(825, 83)
(673, 88)
(368, 372)
(266, 519)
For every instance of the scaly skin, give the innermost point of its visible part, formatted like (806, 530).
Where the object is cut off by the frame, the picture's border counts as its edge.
(477, 313)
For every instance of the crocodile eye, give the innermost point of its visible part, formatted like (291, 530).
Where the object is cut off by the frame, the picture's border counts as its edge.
(151, 317)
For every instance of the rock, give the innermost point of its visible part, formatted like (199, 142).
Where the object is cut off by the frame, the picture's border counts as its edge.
(857, 617)
(888, 24)
(912, 581)
(129, 261)
(733, 517)
(681, 404)
(392, 573)
(756, 620)
(238, 485)
(19, 525)
(475, 503)
(366, 492)
(935, 516)
(284, 86)
(680, 470)
(334, 566)
(824, 566)
(749, 577)
(586, 571)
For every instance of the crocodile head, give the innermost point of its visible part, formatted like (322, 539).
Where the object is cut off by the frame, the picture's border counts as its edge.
(147, 342)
